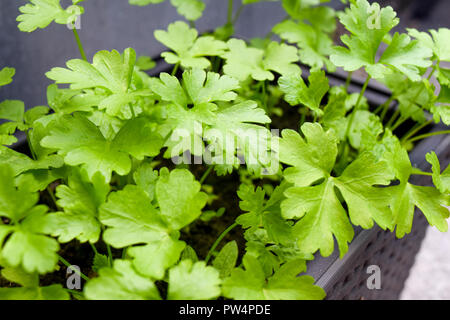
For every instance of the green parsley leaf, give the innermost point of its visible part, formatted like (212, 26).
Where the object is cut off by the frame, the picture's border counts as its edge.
(436, 42)
(80, 142)
(80, 200)
(317, 206)
(109, 71)
(121, 283)
(369, 25)
(132, 219)
(144, 2)
(297, 92)
(285, 284)
(405, 197)
(243, 62)
(440, 180)
(226, 259)
(190, 9)
(100, 261)
(189, 49)
(27, 246)
(13, 111)
(441, 110)
(193, 281)
(29, 289)
(226, 127)
(21, 163)
(261, 214)
(145, 63)
(6, 75)
(315, 45)
(52, 292)
(40, 13)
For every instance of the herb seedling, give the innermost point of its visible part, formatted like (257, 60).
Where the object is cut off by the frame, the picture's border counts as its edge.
(135, 165)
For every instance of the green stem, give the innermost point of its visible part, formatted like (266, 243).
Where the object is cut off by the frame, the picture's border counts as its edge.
(393, 118)
(124, 253)
(264, 96)
(216, 64)
(206, 174)
(385, 106)
(433, 71)
(348, 81)
(52, 195)
(133, 114)
(94, 248)
(30, 146)
(80, 45)
(427, 135)
(395, 115)
(73, 291)
(175, 69)
(302, 118)
(230, 12)
(110, 256)
(419, 172)
(352, 116)
(219, 239)
(67, 264)
(415, 129)
(398, 123)
(238, 14)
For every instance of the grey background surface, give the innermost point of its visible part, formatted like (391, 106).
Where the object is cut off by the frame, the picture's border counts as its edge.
(106, 25)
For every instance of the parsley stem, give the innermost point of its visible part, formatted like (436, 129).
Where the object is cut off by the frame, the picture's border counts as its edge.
(427, 135)
(385, 106)
(399, 122)
(415, 129)
(230, 12)
(133, 114)
(175, 69)
(110, 256)
(30, 146)
(348, 81)
(238, 14)
(73, 291)
(219, 239)
(393, 118)
(124, 253)
(52, 195)
(264, 96)
(352, 116)
(206, 174)
(397, 112)
(67, 264)
(93, 248)
(417, 171)
(80, 45)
